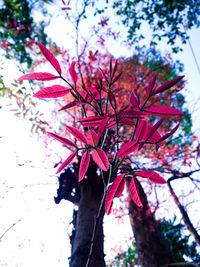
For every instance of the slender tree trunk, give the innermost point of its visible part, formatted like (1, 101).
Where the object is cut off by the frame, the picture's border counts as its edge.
(152, 249)
(91, 196)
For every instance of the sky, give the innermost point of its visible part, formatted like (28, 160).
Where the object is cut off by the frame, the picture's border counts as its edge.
(39, 229)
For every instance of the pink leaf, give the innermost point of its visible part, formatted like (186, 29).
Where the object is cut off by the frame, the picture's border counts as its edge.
(92, 121)
(152, 130)
(50, 57)
(151, 85)
(66, 162)
(76, 133)
(116, 189)
(163, 111)
(72, 72)
(52, 92)
(100, 158)
(167, 85)
(92, 138)
(70, 105)
(85, 160)
(40, 76)
(153, 176)
(134, 100)
(112, 99)
(62, 139)
(127, 149)
(102, 126)
(133, 187)
(141, 131)
(168, 134)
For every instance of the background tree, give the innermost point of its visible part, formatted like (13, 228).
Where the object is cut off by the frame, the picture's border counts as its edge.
(142, 96)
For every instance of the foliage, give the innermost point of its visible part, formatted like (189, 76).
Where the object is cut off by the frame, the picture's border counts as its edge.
(177, 241)
(168, 19)
(18, 31)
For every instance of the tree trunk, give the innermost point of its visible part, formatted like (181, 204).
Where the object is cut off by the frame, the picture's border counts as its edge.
(151, 246)
(91, 190)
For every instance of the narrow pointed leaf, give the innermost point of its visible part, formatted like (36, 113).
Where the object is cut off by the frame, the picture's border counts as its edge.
(92, 121)
(76, 133)
(67, 162)
(141, 131)
(104, 75)
(100, 158)
(72, 72)
(62, 139)
(102, 126)
(117, 77)
(167, 85)
(133, 187)
(151, 85)
(40, 76)
(116, 189)
(127, 148)
(50, 57)
(70, 105)
(52, 92)
(152, 176)
(134, 100)
(152, 130)
(92, 137)
(168, 134)
(112, 99)
(85, 160)
(163, 111)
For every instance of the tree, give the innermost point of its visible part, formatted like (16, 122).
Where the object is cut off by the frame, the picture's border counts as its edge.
(71, 189)
(123, 128)
(168, 19)
(176, 240)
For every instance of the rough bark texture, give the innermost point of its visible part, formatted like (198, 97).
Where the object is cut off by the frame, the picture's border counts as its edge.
(91, 191)
(152, 249)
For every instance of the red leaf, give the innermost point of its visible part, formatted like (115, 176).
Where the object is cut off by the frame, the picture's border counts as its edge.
(50, 57)
(92, 138)
(72, 72)
(141, 131)
(131, 114)
(134, 100)
(167, 85)
(92, 121)
(40, 76)
(116, 189)
(62, 139)
(151, 85)
(117, 77)
(127, 149)
(152, 130)
(99, 156)
(112, 99)
(52, 92)
(76, 133)
(163, 111)
(70, 105)
(152, 176)
(133, 187)
(169, 134)
(102, 126)
(85, 160)
(66, 162)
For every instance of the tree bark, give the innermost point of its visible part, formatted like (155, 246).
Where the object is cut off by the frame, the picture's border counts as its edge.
(151, 246)
(91, 190)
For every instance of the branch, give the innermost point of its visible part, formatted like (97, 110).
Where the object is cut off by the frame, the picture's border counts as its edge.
(182, 210)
